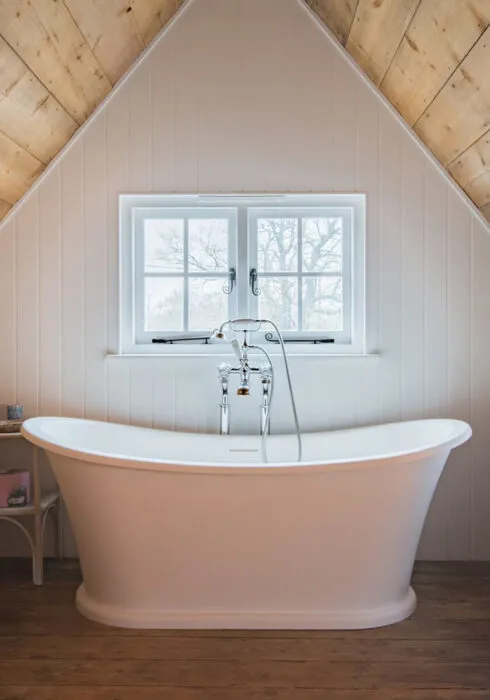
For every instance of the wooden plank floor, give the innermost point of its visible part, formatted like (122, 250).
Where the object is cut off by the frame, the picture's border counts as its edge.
(50, 652)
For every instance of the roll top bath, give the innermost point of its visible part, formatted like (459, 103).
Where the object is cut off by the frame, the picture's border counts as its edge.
(180, 530)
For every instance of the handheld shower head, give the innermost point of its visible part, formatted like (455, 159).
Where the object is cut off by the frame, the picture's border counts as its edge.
(236, 349)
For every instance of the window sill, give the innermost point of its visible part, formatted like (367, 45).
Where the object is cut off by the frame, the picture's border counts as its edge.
(314, 352)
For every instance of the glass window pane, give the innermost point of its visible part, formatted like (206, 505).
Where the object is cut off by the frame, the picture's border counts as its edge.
(208, 245)
(278, 301)
(164, 304)
(208, 304)
(164, 245)
(322, 244)
(322, 304)
(277, 243)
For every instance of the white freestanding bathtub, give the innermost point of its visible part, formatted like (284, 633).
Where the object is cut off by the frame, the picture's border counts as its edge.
(183, 530)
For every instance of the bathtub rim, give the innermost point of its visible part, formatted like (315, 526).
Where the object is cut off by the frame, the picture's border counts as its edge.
(458, 437)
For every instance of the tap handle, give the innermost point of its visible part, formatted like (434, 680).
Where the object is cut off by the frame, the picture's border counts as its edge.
(266, 372)
(224, 371)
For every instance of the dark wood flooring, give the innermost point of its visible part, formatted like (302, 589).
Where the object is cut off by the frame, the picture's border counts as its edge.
(50, 652)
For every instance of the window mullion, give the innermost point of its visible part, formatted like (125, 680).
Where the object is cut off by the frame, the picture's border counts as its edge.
(300, 273)
(186, 274)
(244, 262)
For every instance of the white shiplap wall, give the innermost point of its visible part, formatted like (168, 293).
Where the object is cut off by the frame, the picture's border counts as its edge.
(252, 96)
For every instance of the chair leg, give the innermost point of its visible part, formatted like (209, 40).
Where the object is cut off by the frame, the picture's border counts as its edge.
(59, 526)
(38, 552)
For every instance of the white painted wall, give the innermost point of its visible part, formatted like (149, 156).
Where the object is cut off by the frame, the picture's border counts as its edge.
(250, 95)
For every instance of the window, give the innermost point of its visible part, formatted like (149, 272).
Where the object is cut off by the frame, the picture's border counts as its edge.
(190, 262)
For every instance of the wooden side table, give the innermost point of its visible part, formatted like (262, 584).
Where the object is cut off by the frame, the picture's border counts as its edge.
(38, 509)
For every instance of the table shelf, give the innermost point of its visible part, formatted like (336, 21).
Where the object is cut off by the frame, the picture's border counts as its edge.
(47, 500)
(39, 508)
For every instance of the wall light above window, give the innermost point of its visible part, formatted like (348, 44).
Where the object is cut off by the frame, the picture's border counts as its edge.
(188, 262)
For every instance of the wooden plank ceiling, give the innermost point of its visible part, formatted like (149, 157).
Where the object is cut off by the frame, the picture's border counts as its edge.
(60, 58)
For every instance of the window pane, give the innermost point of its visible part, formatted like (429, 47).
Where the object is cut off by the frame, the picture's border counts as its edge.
(278, 301)
(277, 244)
(322, 304)
(208, 304)
(164, 245)
(322, 244)
(208, 245)
(164, 304)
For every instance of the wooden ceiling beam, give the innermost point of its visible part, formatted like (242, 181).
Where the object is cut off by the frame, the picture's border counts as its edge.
(460, 114)
(376, 33)
(153, 15)
(45, 36)
(440, 35)
(338, 15)
(29, 114)
(18, 170)
(111, 31)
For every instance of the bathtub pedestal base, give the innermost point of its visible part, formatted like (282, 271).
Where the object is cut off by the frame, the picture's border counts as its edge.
(167, 619)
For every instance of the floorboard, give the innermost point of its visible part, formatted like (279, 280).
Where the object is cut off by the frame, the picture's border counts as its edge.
(50, 652)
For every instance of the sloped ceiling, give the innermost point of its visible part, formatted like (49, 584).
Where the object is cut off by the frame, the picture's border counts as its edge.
(60, 58)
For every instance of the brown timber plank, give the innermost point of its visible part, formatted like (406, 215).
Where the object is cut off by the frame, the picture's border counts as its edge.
(4, 208)
(152, 15)
(50, 652)
(45, 36)
(111, 32)
(244, 649)
(176, 693)
(138, 693)
(259, 674)
(18, 170)
(439, 37)
(336, 14)
(376, 33)
(29, 114)
(460, 114)
(471, 170)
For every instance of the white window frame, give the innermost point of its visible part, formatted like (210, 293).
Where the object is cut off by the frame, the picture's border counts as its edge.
(142, 214)
(242, 210)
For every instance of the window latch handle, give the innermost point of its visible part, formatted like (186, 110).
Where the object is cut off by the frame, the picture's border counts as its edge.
(254, 282)
(230, 285)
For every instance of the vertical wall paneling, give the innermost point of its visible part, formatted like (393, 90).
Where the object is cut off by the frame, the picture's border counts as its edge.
(458, 482)
(8, 344)
(413, 283)
(218, 141)
(141, 392)
(368, 178)
(391, 232)
(480, 394)
(117, 170)
(163, 123)
(50, 297)
(27, 299)
(95, 221)
(187, 113)
(164, 390)
(140, 130)
(73, 280)
(435, 342)
(345, 115)
(246, 124)
(119, 390)
(267, 105)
